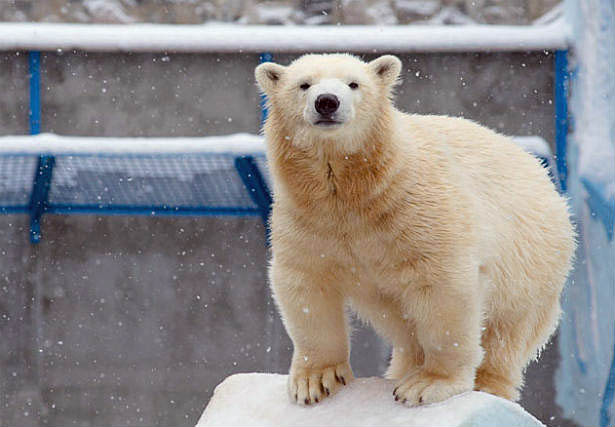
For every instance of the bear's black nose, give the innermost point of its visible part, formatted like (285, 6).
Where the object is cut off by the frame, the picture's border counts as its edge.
(327, 104)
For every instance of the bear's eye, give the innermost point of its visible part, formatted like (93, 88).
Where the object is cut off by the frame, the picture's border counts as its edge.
(353, 85)
(305, 86)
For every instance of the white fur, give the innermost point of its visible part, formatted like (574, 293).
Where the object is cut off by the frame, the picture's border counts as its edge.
(348, 99)
(447, 237)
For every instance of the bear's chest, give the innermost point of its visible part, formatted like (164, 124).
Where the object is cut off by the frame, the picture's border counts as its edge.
(358, 240)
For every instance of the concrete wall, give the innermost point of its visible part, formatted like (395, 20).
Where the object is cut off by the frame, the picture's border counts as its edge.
(123, 321)
(185, 94)
(134, 320)
(14, 93)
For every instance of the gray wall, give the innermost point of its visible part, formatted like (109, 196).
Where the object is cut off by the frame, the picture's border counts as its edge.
(134, 320)
(190, 94)
(13, 93)
(121, 321)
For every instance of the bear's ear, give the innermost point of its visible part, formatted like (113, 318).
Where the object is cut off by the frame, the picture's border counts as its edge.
(268, 75)
(386, 68)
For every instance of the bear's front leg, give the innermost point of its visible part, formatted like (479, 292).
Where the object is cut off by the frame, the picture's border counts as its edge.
(447, 314)
(314, 316)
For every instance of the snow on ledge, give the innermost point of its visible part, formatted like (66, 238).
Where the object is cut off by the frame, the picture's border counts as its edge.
(260, 38)
(261, 400)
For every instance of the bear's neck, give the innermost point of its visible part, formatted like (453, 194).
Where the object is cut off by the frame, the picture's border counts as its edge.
(316, 175)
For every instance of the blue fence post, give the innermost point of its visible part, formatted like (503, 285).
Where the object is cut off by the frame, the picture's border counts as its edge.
(257, 187)
(609, 392)
(40, 195)
(34, 64)
(44, 169)
(562, 77)
(264, 57)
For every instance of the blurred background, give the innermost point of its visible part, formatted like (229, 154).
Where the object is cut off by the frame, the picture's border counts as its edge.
(124, 320)
(309, 12)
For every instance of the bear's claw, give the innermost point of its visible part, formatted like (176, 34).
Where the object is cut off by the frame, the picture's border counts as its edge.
(312, 385)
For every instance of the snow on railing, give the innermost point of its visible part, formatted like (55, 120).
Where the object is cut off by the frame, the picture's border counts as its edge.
(48, 143)
(237, 143)
(252, 38)
(216, 175)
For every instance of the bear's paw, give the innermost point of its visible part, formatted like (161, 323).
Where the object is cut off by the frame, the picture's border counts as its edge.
(421, 388)
(312, 385)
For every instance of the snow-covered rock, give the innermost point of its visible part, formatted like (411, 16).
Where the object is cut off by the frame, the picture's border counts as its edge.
(109, 12)
(415, 10)
(271, 13)
(261, 400)
(449, 16)
(309, 12)
(373, 12)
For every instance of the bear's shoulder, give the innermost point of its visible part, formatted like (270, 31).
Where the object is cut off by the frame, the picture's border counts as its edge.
(433, 124)
(442, 132)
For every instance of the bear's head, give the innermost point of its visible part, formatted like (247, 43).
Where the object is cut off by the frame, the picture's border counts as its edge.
(332, 97)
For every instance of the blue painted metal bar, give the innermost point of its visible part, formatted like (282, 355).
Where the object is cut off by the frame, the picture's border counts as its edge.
(609, 392)
(562, 78)
(44, 170)
(248, 170)
(601, 208)
(34, 63)
(40, 195)
(257, 187)
(13, 209)
(264, 57)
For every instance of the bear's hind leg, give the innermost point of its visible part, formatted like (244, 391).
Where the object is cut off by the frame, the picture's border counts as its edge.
(500, 373)
(509, 346)
(447, 315)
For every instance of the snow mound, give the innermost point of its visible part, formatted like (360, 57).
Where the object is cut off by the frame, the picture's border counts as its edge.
(261, 400)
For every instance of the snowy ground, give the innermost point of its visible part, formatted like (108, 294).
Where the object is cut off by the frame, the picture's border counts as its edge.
(261, 400)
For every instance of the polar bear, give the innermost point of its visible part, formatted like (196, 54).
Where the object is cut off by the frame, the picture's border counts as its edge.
(444, 235)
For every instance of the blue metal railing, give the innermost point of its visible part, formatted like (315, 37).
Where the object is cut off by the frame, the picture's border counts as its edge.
(264, 57)
(246, 167)
(43, 173)
(34, 64)
(562, 78)
(39, 201)
(256, 185)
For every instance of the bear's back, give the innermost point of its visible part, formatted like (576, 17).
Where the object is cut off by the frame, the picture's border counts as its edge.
(516, 205)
